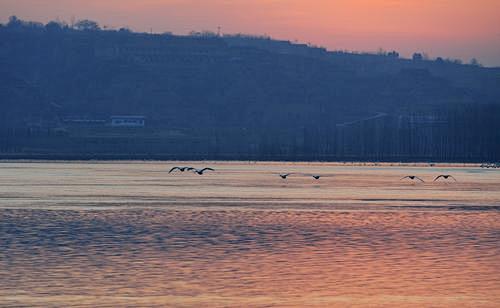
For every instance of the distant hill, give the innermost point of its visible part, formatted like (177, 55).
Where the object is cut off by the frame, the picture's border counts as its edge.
(235, 97)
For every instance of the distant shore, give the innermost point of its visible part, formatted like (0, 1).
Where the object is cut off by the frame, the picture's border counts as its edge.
(220, 157)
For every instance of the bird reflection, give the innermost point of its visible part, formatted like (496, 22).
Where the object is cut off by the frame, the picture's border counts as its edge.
(444, 176)
(413, 177)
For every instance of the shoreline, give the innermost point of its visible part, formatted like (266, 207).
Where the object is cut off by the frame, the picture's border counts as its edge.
(248, 162)
(232, 158)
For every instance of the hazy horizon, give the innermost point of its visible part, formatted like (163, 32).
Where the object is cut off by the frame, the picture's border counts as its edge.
(449, 29)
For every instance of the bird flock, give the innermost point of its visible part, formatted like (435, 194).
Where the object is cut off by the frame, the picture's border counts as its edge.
(441, 176)
(194, 170)
(285, 176)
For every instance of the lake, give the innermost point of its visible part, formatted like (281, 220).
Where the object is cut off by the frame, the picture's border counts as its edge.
(130, 234)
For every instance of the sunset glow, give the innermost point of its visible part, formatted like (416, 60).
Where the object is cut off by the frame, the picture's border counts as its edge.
(248, 153)
(448, 28)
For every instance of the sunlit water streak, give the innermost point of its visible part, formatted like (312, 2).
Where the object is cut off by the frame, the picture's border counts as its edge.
(129, 234)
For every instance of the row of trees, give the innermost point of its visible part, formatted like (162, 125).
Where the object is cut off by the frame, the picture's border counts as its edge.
(470, 133)
(80, 25)
(90, 25)
(425, 57)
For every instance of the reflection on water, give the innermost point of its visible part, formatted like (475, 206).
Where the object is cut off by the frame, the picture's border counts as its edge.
(128, 234)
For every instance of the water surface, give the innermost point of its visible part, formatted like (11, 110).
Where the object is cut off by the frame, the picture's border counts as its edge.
(97, 234)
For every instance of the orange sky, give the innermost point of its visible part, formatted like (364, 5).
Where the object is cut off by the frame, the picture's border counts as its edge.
(449, 28)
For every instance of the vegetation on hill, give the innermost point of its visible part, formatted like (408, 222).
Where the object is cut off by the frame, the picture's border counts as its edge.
(236, 97)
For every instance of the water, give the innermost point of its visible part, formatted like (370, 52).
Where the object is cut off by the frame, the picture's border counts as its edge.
(129, 234)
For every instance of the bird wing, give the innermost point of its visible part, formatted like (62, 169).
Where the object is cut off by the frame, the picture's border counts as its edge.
(173, 169)
(206, 169)
(406, 177)
(420, 179)
(451, 176)
(437, 178)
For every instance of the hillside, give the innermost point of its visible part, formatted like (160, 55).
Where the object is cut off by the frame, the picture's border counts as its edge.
(235, 97)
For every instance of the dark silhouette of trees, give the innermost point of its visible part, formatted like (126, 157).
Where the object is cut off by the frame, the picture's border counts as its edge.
(393, 54)
(54, 26)
(474, 62)
(417, 57)
(14, 22)
(86, 25)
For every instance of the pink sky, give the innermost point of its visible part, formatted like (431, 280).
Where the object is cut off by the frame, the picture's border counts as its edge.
(448, 28)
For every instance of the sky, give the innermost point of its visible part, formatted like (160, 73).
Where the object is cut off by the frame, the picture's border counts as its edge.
(461, 29)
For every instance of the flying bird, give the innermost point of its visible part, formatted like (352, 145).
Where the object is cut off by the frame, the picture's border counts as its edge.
(285, 175)
(444, 176)
(181, 169)
(413, 177)
(201, 171)
(317, 176)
